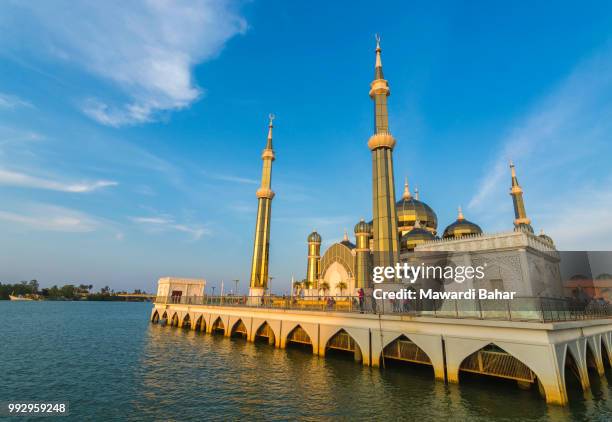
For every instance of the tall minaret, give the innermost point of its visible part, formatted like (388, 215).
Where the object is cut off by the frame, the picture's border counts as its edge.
(386, 245)
(261, 247)
(521, 221)
(313, 267)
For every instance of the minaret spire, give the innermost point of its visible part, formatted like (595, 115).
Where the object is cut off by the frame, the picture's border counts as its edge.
(416, 193)
(406, 190)
(521, 221)
(261, 246)
(460, 213)
(385, 233)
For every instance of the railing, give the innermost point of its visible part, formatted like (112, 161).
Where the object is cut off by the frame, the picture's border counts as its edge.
(498, 364)
(530, 309)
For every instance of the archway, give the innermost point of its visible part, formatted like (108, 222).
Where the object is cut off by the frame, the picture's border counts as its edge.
(217, 327)
(573, 385)
(403, 351)
(342, 344)
(300, 338)
(239, 330)
(493, 361)
(175, 320)
(605, 355)
(186, 322)
(200, 325)
(265, 333)
(592, 371)
(155, 318)
(164, 319)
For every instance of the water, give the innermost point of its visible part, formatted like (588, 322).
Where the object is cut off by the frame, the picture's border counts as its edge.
(110, 363)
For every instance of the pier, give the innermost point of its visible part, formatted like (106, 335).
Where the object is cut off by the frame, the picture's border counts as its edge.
(538, 347)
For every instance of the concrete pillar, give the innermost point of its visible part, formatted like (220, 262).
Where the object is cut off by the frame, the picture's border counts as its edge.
(578, 350)
(595, 343)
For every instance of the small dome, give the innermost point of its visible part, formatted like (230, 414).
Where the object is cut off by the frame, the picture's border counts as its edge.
(461, 227)
(545, 237)
(314, 237)
(362, 227)
(409, 209)
(415, 237)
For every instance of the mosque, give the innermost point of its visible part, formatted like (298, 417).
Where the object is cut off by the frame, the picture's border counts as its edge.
(407, 230)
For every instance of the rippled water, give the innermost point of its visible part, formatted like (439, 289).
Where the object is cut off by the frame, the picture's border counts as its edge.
(110, 363)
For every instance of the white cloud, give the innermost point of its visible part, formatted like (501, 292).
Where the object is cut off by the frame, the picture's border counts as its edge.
(147, 48)
(235, 179)
(50, 217)
(11, 178)
(576, 113)
(162, 224)
(12, 101)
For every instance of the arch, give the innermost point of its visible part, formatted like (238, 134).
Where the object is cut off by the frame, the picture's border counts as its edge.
(403, 350)
(342, 255)
(174, 322)
(492, 360)
(341, 341)
(298, 336)
(605, 353)
(164, 319)
(265, 332)
(217, 326)
(200, 324)
(155, 317)
(186, 322)
(571, 374)
(239, 330)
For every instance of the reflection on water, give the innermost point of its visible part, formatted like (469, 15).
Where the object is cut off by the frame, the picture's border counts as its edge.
(112, 364)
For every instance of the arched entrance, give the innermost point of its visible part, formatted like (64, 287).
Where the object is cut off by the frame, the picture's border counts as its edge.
(403, 351)
(175, 320)
(493, 361)
(155, 318)
(186, 322)
(338, 269)
(342, 343)
(199, 324)
(239, 330)
(218, 327)
(265, 333)
(573, 386)
(299, 337)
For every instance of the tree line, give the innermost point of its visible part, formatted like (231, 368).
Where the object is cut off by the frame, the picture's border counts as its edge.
(66, 292)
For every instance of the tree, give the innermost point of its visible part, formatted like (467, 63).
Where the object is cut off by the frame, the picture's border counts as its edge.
(105, 290)
(341, 285)
(34, 285)
(324, 286)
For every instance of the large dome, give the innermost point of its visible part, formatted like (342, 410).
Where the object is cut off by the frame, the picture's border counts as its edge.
(461, 227)
(409, 209)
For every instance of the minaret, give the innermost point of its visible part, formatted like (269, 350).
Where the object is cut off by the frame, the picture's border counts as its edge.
(521, 221)
(314, 259)
(386, 245)
(363, 269)
(261, 247)
(406, 194)
(416, 193)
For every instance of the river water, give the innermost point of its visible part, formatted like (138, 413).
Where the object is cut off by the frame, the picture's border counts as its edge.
(110, 363)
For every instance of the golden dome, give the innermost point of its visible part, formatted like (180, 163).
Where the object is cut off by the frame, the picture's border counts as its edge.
(409, 210)
(415, 237)
(362, 227)
(461, 227)
(314, 237)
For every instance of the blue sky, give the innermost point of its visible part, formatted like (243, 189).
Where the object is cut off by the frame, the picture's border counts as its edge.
(131, 134)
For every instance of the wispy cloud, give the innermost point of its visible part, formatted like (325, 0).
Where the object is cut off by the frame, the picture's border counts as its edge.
(146, 48)
(12, 101)
(162, 224)
(12, 178)
(234, 179)
(575, 114)
(51, 218)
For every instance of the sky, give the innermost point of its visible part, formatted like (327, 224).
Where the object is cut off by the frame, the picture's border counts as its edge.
(131, 132)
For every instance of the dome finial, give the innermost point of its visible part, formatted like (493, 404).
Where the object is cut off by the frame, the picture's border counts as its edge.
(416, 193)
(270, 126)
(346, 238)
(406, 190)
(378, 72)
(460, 214)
